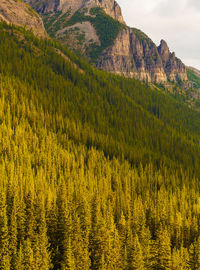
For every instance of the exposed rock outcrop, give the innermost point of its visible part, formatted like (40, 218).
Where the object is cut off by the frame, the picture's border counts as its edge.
(135, 55)
(20, 14)
(131, 53)
(110, 6)
(173, 66)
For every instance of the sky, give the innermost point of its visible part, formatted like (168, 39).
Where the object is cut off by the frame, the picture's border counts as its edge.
(175, 21)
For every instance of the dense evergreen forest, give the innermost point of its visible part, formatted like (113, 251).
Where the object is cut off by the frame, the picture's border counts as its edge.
(96, 171)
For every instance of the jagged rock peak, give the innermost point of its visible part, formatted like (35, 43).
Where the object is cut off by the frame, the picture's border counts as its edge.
(164, 52)
(135, 55)
(20, 14)
(163, 45)
(111, 7)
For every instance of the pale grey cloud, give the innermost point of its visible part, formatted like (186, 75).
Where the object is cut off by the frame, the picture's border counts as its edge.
(169, 8)
(176, 21)
(194, 3)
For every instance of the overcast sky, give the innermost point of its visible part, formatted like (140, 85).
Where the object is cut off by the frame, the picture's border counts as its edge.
(176, 21)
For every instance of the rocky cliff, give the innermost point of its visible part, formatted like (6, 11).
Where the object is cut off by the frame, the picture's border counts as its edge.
(96, 29)
(20, 14)
(135, 55)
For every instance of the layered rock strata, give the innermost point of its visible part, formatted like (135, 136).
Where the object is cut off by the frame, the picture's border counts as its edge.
(134, 55)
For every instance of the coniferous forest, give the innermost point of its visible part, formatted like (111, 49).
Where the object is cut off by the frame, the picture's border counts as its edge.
(96, 171)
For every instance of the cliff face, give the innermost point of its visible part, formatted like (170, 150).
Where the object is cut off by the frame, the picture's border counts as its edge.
(20, 14)
(129, 52)
(173, 66)
(135, 55)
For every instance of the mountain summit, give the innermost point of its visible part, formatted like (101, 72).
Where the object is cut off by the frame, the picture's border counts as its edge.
(96, 29)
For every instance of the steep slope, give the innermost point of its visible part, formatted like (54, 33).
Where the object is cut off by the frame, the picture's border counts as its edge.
(96, 171)
(96, 29)
(194, 76)
(120, 116)
(135, 55)
(16, 12)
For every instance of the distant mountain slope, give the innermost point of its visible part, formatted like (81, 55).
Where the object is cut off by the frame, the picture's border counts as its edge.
(18, 13)
(96, 29)
(194, 76)
(195, 70)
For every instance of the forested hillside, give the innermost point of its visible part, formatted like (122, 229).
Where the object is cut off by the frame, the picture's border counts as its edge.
(96, 171)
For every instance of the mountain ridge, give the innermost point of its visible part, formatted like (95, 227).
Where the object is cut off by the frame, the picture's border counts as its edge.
(130, 53)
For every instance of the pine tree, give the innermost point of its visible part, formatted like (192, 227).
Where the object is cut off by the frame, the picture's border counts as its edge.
(180, 259)
(42, 244)
(4, 236)
(194, 253)
(161, 251)
(30, 217)
(68, 262)
(64, 232)
(113, 249)
(13, 243)
(19, 265)
(80, 245)
(29, 261)
(135, 258)
(145, 241)
(98, 237)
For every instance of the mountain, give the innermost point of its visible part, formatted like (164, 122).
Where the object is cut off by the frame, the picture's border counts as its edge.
(96, 29)
(97, 171)
(17, 13)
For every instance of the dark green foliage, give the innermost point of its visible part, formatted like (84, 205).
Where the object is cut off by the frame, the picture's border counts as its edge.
(197, 103)
(107, 30)
(141, 35)
(192, 76)
(106, 27)
(122, 117)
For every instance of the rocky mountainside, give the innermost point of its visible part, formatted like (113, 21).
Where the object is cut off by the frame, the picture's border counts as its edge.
(135, 55)
(96, 29)
(48, 6)
(20, 14)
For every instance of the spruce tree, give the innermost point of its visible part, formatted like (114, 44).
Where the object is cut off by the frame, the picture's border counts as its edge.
(13, 243)
(4, 235)
(135, 258)
(161, 250)
(42, 244)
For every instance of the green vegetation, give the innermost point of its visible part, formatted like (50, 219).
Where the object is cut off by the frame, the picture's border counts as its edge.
(192, 76)
(56, 21)
(96, 171)
(141, 35)
(106, 27)
(107, 30)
